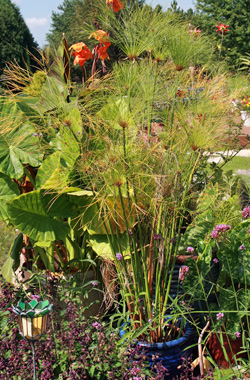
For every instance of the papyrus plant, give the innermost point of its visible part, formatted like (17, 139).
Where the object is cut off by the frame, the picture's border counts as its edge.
(132, 181)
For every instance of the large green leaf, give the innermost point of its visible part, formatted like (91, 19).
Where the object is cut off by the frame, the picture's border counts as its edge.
(89, 211)
(58, 205)
(13, 260)
(101, 246)
(67, 144)
(53, 95)
(7, 270)
(53, 173)
(17, 148)
(37, 215)
(18, 144)
(8, 191)
(76, 122)
(91, 216)
(26, 104)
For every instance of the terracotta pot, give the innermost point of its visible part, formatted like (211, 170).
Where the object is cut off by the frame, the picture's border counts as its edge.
(180, 260)
(232, 347)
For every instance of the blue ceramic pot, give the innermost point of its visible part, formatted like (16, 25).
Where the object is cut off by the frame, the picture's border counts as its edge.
(170, 353)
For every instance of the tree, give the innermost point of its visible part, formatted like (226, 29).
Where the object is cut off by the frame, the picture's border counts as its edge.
(63, 22)
(236, 14)
(16, 39)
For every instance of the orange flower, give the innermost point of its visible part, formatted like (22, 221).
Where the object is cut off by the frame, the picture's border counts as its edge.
(103, 39)
(116, 4)
(103, 53)
(81, 53)
(77, 47)
(101, 36)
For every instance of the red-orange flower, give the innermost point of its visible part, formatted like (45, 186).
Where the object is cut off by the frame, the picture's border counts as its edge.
(81, 53)
(116, 4)
(101, 36)
(222, 28)
(103, 39)
(103, 53)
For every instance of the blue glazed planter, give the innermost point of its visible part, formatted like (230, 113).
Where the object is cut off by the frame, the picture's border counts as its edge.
(170, 353)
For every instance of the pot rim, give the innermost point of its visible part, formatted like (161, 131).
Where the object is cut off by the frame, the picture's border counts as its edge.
(164, 345)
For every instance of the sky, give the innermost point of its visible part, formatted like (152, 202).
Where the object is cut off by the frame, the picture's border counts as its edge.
(37, 14)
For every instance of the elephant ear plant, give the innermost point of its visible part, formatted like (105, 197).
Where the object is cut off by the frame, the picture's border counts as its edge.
(39, 145)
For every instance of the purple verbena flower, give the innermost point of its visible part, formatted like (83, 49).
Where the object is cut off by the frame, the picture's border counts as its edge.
(214, 234)
(242, 247)
(149, 320)
(157, 236)
(35, 297)
(218, 229)
(215, 260)
(184, 271)
(237, 334)
(34, 134)
(119, 256)
(190, 250)
(134, 371)
(219, 316)
(97, 325)
(94, 283)
(245, 212)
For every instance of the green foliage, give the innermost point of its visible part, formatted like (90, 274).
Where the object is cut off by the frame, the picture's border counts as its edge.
(236, 14)
(185, 49)
(13, 260)
(18, 145)
(35, 87)
(16, 39)
(63, 22)
(7, 235)
(111, 179)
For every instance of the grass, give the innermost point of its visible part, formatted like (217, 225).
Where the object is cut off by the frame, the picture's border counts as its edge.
(239, 163)
(227, 374)
(6, 237)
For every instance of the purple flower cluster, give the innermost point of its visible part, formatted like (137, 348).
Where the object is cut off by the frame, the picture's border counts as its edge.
(183, 273)
(157, 236)
(66, 352)
(119, 256)
(218, 229)
(97, 325)
(245, 213)
(190, 250)
(35, 297)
